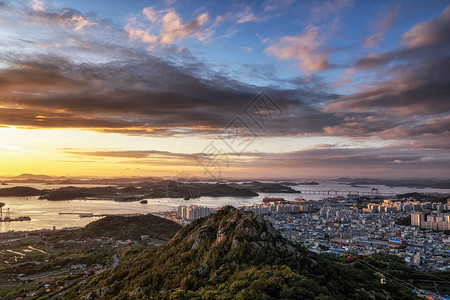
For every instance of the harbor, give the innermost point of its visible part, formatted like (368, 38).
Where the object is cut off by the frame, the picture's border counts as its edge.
(8, 218)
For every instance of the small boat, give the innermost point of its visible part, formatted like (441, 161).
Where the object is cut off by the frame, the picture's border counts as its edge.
(143, 202)
(4, 183)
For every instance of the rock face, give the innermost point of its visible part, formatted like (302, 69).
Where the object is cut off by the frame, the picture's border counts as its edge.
(231, 231)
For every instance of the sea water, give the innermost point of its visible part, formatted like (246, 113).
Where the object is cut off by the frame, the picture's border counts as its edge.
(46, 214)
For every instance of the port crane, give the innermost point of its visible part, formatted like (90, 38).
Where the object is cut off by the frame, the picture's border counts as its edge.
(7, 217)
(1, 210)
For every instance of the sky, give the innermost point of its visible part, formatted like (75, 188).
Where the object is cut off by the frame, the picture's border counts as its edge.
(248, 89)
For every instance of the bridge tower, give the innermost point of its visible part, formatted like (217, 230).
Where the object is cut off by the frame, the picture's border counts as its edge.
(374, 191)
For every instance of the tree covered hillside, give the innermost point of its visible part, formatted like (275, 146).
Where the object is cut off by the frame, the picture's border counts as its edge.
(236, 255)
(119, 227)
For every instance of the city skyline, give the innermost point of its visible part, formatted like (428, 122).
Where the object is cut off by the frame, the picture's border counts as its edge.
(143, 88)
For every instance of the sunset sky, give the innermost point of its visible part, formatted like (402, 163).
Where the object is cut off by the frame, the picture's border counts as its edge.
(146, 88)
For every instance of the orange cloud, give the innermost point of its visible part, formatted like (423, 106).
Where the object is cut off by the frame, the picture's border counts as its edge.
(166, 27)
(304, 48)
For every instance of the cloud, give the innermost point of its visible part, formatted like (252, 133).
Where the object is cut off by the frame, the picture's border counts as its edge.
(304, 48)
(385, 23)
(147, 96)
(160, 158)
(245, 18)
(150, 14)
(38, 5)
(428, 141)
(166, 27)
(274, 5)
(138, 154)
(229, 32)
(154, 97)
(415, 89)
(355, 162)
(68, 18)
(432, 126)
(61, 32)
(10, 148)
(329, 9)
(321, 160)
(239, 13)
(93, 79)
(246, 15)
(421, 45)
(406, 97)
(430, 32)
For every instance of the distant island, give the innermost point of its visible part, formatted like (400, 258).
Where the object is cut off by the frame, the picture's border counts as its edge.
(20, 191)
(27, 176)
(308, 183)
(135, 181)
(140, 188)
(410, 183)
(267, 187)
(143, 190)
(291, 183)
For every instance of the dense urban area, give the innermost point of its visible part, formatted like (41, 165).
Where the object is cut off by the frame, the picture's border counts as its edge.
(415, 230)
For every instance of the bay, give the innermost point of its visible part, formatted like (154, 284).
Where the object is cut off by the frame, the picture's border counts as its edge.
(45, 214)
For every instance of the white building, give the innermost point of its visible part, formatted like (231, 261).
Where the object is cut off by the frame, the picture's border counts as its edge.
(193, 212)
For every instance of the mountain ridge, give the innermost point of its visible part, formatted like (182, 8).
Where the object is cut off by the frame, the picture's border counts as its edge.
(233, 255)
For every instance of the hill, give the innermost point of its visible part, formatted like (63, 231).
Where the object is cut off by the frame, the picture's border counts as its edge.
(70, 192)
(196, 190)
(123, 228)
(236, 255)
(26, 176)
(268, 187)
(411, 183)
(19, 191)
